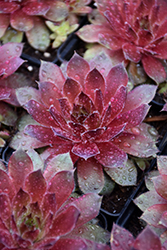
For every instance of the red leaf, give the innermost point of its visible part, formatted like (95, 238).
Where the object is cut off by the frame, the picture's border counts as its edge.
(94, 80)
(40, 113)
(64, 222)
(147, 240)
(62, 185)
(69, 244)
(6, 184)
(154, 68)
(121, 238)
(90, 175)
(50, 94)
(89, 205)
(20, 200)
(136, 144)
(110, 155)
(10, 66)
(35, 185)
(77, 69)
(4, 23)
(35, 8)
(93, 121)
(8, 7)
(85, 150)
(50, 72)
(115, 106)
(110, 133)
(132, 117)
(20, 165)
(71, 89)
(142, 94)
(113, 82)
(49, 204)
(153, 214)
(99, 101)
(5, 208)
(21, 21)
(160, 183)
(132, 52)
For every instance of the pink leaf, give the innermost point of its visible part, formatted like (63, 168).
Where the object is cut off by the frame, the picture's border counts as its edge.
(136, 144)
(10, 66)
(50, 94)
(110, 133)
(69, 244)
(10, 50)
(142, 94)
(77, 69)
(94, 80)
(99, 101)
(113, 82)
(20, 200)
(49, 204)
(35, 185)
(154, 68)
(93, 121)
(115, 106)
(57, 12)
(147, 240)
(160, 183)
(35, 8)
(90, 33)
(71, 89)
(59, 118)
(4, 93)
(132, 117)
(8, 7)
(125, 242)
(5, 208)
(40, 113)
(50, 72)
(161, 162)
(153, 214)
(65, 108)
(92, 135)
(62, 185)
(4, 23)
(90, 175)
(110, 155)
(89, 205)
(132, 52)
(85, 150)
(20, 165)
(16, 20)
(6, 184)
(64, 222)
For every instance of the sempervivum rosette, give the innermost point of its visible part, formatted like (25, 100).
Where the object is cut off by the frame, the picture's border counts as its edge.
(91, 116)
(137, 28)
(36, 211)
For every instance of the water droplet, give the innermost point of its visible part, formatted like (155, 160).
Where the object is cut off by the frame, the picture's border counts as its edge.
(127, 145)
(152, 131)
(136, 131)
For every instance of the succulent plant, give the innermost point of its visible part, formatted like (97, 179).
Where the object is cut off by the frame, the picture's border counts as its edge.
(138, 28)
(37, 211)
(93, 117)
(122, 239)
(28, 16)
(9, 62)
(60, 32)
(154, 202)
